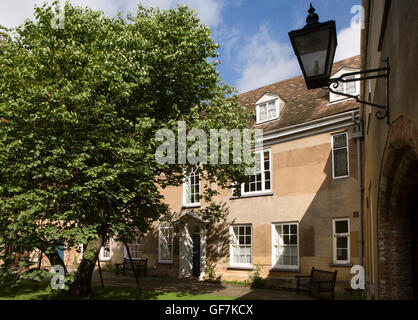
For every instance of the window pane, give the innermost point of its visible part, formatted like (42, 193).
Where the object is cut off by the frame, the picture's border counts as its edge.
(267, 175)
(293, 239)
(241, 239)
(293, 229)
(286, 229)
(267, 185)
(340, 163)
(165, 247)
(294, 260)
(350, 87)
(342, 242)
(241, 249)
(262, 112)
(340, 140)
(192, 188)
(341, 226)
(342, 254)
(272, 110)
(247, 187)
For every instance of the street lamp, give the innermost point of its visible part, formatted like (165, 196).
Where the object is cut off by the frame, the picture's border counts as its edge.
(315, 46)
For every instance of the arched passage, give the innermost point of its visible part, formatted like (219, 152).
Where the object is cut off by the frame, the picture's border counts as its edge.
(398, 214)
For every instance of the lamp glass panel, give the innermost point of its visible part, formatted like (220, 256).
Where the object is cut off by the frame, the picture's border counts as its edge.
(312, 49)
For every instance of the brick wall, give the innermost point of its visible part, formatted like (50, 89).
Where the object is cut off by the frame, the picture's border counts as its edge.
(397, 203)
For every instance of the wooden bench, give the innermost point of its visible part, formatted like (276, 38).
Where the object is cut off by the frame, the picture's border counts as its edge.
(140, 265)
(318, 281)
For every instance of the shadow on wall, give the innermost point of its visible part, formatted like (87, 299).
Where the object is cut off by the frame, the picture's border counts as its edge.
(217, 249)
(335, 198)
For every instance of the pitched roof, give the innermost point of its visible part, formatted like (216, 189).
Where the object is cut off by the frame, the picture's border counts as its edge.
(302, 105)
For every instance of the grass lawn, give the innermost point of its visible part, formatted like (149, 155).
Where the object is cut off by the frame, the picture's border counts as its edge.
(29, 291)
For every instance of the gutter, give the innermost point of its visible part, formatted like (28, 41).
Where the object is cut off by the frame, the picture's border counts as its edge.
(311, 127)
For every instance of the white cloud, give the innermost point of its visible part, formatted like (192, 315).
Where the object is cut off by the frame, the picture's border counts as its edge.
(263, 61)
(13, 13)
(348, 43)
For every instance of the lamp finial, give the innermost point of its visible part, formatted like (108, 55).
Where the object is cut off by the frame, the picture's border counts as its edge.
(312, 18)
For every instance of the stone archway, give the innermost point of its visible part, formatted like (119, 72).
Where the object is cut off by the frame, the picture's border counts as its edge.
(397, 214)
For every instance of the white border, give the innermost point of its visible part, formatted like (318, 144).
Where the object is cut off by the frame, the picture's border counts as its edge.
(274, 264)
(172, 245)
(101, 257)
(240, 265)
(334, 242)
(195, 204)
(263, 191)
(335, 98)
(275, 100)
(348, 155)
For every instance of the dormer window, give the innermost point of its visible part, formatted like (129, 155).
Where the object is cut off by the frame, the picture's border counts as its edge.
(268, 108)
(352, 88)
(267, 111)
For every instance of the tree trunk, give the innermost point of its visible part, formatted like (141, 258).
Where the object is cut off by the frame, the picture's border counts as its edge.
(81, 287)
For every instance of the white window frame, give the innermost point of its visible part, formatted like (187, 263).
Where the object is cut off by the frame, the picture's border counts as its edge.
(101, 256)
(348, 153)
(159, 245)
(263, 177)
(274, 261)
(276, 104)
(335, 98)
(125, 252)
(231, 246)
(186, 184)
(341, 235)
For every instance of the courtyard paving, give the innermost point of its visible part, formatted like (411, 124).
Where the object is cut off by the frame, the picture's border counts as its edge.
(193, 286)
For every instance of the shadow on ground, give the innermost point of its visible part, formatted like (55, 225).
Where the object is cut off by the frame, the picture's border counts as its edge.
(155, 286)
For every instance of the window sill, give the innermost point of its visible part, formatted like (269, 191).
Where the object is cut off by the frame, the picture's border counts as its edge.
(190, 206)
(342, 177)
(283, 269)
(104, 260)
(165, 262)
(255, 195)
(344, 265)
(249, 268)
(265, 121)
(339, 101)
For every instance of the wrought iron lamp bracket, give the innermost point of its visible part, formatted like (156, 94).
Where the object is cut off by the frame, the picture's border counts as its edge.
(365, 75)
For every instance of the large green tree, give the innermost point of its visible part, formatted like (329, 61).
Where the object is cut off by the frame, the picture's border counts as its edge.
(80, 107)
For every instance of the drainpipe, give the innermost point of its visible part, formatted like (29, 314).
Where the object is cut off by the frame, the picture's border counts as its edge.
(366, 4)
(358, 135)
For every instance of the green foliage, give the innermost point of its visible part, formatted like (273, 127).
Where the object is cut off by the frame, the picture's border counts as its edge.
(254, 279)
(210, 273)
(80, 107)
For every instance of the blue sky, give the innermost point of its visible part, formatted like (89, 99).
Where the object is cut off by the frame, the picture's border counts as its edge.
(255, 48)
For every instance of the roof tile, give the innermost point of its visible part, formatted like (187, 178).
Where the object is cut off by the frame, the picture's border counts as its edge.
(302, 105)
